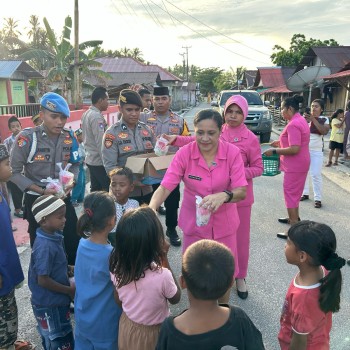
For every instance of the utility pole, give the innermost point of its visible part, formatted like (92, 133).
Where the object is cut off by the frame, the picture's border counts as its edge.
(187, 75)
(76, 94)
(183, 64)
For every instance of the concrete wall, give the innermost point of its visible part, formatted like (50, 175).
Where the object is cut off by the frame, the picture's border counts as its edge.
(73, 122)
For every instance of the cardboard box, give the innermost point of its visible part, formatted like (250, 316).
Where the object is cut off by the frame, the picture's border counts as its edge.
(149, 166)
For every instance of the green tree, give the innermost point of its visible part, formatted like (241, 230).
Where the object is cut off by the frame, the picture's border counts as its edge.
(206, 78)
(9, 39)
(11, 28)
(59, 58)
(297, 49)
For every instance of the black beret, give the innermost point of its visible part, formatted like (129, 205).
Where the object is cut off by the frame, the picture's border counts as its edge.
(161, 91)
(131, 97)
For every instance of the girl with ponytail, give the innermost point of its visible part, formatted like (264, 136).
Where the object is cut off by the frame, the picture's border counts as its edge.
(314, 294)
(96, 312)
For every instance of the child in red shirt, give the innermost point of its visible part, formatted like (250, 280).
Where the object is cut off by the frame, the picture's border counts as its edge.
(314, 293)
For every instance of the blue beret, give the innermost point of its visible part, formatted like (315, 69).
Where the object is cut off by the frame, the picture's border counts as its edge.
(55, 103)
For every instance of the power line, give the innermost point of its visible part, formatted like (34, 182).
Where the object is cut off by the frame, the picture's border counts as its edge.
(154, 13)
(216, 31)
(149, 14)
(212, 41)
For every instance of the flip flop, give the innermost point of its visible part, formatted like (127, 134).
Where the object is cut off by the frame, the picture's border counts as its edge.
(24, 345)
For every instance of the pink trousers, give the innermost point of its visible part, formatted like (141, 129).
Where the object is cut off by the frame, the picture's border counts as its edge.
(243, 240)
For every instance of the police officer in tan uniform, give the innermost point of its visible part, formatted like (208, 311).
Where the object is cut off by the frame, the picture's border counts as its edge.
(36, 151)
(94, 126)
(163, 121)
(128, 137)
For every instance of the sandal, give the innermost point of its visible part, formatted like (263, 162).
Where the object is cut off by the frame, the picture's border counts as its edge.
(329, 164)
(24, 345)
(336, 163)
(318, 204)
(304, 197)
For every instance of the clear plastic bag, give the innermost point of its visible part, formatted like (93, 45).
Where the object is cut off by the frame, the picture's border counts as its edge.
(54, 184)
(202, 214)
(162, 146)
(65, 176)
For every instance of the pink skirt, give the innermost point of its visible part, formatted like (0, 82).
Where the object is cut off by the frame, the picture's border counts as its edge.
(229, 241)
(293, 186)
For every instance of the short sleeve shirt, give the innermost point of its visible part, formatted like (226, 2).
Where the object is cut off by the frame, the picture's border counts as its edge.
(301, 314)
(48, 259)
(238, 332)
(145, 301)
(296, 133)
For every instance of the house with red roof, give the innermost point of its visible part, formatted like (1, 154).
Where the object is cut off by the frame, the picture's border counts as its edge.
(126, 72)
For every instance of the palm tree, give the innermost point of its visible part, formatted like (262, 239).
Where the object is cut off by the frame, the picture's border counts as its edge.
(59, 57)
(137, 54)
(10, 28)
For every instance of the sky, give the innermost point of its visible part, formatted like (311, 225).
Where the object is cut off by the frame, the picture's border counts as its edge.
(225, 34)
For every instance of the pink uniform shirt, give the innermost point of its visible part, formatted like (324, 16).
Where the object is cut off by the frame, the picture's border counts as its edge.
(249, 146)
(296, 133)
(226, 173)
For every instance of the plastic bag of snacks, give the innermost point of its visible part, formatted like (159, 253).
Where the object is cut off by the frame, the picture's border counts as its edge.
(161, 147)
(65, 176)
(54, 184)
(202, 214)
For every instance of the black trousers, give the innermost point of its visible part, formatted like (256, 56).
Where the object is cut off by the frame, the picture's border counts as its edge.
(71, 238)
(99, 180)
(16, 194)
(144, 199)
(171, 205)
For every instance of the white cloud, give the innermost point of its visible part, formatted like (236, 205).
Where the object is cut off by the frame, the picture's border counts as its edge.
(259, 24)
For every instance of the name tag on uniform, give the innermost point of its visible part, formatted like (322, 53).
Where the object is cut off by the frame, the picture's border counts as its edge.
(193, 177)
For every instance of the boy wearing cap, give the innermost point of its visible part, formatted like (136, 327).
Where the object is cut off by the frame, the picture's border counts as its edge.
(11, 273)
(78, 192)
(48, 275)
(94, 126)
(128, 137)
(163, 121)
(37, 150)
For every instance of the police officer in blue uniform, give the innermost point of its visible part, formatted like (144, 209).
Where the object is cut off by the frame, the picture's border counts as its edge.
(34, 157)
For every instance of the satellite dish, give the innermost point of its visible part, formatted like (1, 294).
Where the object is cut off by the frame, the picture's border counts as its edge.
(307, 79)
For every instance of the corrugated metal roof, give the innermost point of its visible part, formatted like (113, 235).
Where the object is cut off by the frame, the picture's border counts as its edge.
(9, 68)
(270, 77)
(147, 78)
(277, 89)
(130, 65)
(342, 74)
(333, 57)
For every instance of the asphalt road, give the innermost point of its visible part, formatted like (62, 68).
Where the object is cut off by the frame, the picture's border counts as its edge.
(269, 274)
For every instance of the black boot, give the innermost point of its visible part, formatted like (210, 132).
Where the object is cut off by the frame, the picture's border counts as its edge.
(173, 237)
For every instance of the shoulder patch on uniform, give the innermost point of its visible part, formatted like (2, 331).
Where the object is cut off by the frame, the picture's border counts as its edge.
(145, 132)
(22, 141)
(108, 142)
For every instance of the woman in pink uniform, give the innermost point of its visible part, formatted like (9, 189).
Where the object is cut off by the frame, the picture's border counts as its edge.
(235, 131)
(293, 147)
(213, 169)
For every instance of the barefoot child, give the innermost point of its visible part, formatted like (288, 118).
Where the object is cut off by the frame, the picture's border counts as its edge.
(48, 275)
(96, 312)
(207, 273)
(121, 187)
(314, 293)
(144, 280)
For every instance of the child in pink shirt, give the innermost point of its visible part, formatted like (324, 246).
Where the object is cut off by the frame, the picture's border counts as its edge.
(143, 278)
(314, 293)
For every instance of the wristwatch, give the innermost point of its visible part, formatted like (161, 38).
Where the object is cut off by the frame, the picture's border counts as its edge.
(230, 196)
(274, 151)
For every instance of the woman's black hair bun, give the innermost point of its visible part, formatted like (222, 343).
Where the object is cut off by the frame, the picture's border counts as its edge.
(298, 98)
